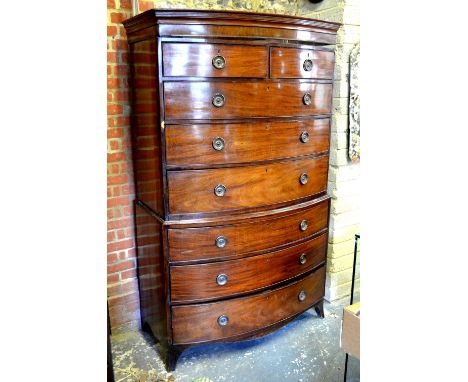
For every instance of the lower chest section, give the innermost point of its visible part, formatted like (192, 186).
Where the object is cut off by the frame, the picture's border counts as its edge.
(229, 280)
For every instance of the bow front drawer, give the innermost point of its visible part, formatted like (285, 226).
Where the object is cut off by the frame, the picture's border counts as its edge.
(224, 189)
(229, 241)
(193, 283)
(214, 60)
(245, 142)
(245, 99)
(224, 319)
(301, 63)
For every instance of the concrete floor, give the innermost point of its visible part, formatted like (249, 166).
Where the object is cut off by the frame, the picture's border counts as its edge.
(307, 349)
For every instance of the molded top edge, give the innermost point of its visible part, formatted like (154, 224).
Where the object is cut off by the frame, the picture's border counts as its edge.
(161, 15)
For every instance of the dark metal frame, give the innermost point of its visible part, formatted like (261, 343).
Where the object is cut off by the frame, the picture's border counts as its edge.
(356, 238)
(110, 366)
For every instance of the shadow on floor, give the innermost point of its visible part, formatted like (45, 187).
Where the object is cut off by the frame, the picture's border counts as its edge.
(307, 349)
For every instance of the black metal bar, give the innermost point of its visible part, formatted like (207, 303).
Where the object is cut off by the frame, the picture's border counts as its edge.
(356, 238)
(346, 367)
(110, 366)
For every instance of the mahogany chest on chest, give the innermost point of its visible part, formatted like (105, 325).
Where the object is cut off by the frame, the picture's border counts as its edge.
(230, 134)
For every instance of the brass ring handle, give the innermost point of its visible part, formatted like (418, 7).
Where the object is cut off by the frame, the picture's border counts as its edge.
(307, 99)
(302, 295)
(219, 62)
(304, 137)
(218, 143)
(304, 178)
(220, 190)
(222, 279)
(304, 225)
(221, 241)
(223, 320)
(303, 259)
(307, 65)
(218, 100)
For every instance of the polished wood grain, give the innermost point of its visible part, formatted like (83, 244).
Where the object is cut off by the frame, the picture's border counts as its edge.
(244, 142)
(146, 140)
(256, 235)
(243, 99)
(195, 60)
(252, 186)
(198, 323)
(194, 283)
(249, 32)
(150, 261)
(289, 63)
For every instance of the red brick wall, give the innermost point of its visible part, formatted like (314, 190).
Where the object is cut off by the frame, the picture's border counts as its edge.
(122, 286)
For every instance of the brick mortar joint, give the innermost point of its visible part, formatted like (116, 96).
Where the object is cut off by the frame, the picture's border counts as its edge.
(115, 297)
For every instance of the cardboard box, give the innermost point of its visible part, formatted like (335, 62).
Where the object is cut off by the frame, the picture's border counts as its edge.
(350, 330)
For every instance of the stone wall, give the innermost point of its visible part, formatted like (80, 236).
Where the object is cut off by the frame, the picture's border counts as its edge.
(267, 6)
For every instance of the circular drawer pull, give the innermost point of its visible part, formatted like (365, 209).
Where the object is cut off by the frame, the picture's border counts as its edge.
(223, 320)
(303, 259)
(304, 178)
(222, 279)
(302, 296)
(218, 100)
(218, 143)
(304, 137)
(220, 190)
(304, 225)
(307, 65)
(307, 99)
(219, 62)
(221, 241)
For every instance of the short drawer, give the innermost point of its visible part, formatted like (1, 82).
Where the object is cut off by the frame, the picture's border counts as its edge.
(202, 282)
(301, 63)
(225, 189)
(207, 144)
(214, 60)
(244, 99)
(226, 241)
(234, 317)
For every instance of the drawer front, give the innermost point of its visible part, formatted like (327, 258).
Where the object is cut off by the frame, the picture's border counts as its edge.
(214, 60)
(243, 99)
(203, 322)
(190, 283)
(245, 142)
(202, 243)
(236, 188)
(301, 63)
